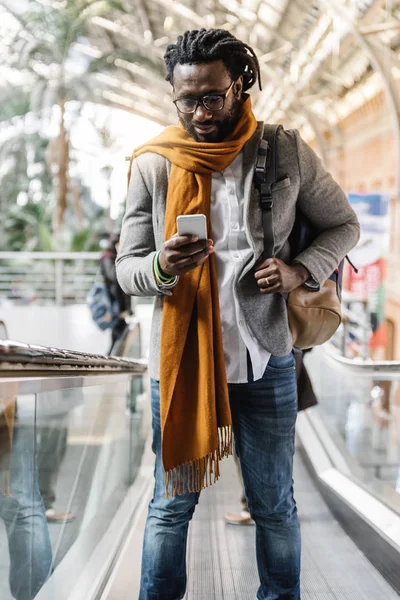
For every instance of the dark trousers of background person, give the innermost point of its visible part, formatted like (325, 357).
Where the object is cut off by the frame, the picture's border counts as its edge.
(116, 333)
(306, 397)
(24, 517)
(263, 415)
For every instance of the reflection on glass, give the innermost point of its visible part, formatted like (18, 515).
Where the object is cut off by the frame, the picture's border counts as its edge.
(73, 456)
(52, 417)
(362, 413)
(25, 556)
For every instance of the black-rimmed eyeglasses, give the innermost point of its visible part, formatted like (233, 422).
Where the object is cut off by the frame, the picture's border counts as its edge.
(212, 102)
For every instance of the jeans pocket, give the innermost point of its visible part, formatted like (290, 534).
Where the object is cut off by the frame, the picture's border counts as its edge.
(281, 364)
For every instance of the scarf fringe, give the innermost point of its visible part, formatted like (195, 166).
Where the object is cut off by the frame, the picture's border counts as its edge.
(199, 473)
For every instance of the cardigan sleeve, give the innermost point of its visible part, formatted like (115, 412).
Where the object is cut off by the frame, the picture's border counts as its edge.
(137, 247)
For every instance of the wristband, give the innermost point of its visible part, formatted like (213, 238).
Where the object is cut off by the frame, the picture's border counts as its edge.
(157, 271)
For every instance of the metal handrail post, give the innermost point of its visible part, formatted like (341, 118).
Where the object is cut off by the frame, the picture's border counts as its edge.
(59, 264)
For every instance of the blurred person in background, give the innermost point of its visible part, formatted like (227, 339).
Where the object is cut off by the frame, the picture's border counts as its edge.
(118, 298)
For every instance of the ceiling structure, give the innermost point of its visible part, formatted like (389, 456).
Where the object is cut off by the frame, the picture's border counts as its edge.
(320, 59)
(317, 56)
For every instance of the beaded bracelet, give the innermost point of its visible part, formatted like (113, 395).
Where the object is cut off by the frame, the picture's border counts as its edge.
(157, 271)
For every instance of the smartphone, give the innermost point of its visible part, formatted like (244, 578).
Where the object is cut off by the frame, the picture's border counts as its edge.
(192, 225)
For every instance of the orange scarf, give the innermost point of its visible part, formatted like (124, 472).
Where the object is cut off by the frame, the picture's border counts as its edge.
(194, 403)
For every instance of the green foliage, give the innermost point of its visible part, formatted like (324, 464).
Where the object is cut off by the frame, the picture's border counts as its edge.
(13, 104)
(28, 225)
(42, 49)
(85, 241)
(45, 238)
(27, 228)
(45, 44)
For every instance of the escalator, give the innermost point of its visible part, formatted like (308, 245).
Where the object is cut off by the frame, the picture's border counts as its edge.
(350, 521)
(350, 529)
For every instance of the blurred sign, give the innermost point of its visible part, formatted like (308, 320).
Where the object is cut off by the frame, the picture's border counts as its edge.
(370, 258)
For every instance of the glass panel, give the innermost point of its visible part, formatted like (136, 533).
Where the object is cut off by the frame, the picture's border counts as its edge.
(129, 343)
(74, 454)
(363, 417)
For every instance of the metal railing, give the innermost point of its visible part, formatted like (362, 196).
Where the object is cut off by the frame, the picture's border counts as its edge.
(379, 370)
(16, 356)
(47, 277)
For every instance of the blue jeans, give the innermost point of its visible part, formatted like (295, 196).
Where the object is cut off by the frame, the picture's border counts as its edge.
(264, 416)
(24, 517)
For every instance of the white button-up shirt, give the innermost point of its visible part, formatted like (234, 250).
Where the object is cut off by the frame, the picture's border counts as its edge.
(232, 252)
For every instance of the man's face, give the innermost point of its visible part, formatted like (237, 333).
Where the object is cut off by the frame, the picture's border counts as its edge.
(198, 80)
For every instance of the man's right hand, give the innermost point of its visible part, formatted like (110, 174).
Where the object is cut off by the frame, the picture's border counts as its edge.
(183, 253)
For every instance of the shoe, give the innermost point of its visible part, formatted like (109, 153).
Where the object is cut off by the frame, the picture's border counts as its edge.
(241, 518)
(59, 517)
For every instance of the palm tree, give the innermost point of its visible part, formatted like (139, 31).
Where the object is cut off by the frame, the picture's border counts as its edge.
(27, 201)
(44, 48)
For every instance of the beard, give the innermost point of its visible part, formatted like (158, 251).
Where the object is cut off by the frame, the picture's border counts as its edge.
(223, 127)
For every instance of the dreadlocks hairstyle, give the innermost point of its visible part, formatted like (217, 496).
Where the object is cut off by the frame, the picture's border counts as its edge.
(206, 45)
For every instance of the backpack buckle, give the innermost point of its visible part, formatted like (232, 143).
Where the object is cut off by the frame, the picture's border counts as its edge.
(261, 162)
(266, 196)
(266, 204)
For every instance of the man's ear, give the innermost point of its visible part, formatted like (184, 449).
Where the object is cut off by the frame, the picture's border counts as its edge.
(238, 87)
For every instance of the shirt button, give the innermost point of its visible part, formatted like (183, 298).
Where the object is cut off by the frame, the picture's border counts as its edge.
(235, 226)
(236, 255)
(231, 191)
(240, 322)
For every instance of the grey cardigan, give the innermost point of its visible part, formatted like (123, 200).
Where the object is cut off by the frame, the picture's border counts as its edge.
(302, 181)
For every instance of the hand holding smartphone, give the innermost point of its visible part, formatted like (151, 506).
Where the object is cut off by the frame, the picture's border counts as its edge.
(183, 252)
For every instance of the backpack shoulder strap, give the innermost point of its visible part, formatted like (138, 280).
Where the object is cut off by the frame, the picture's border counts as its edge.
(265, 175)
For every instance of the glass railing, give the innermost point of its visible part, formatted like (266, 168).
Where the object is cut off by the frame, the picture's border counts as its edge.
(71, 441)
(359, 405)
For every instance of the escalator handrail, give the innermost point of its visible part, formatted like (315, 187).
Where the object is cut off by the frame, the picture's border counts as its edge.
(14, 353)
(364, 367)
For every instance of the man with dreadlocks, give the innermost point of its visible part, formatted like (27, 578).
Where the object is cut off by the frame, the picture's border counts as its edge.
(221, 350)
